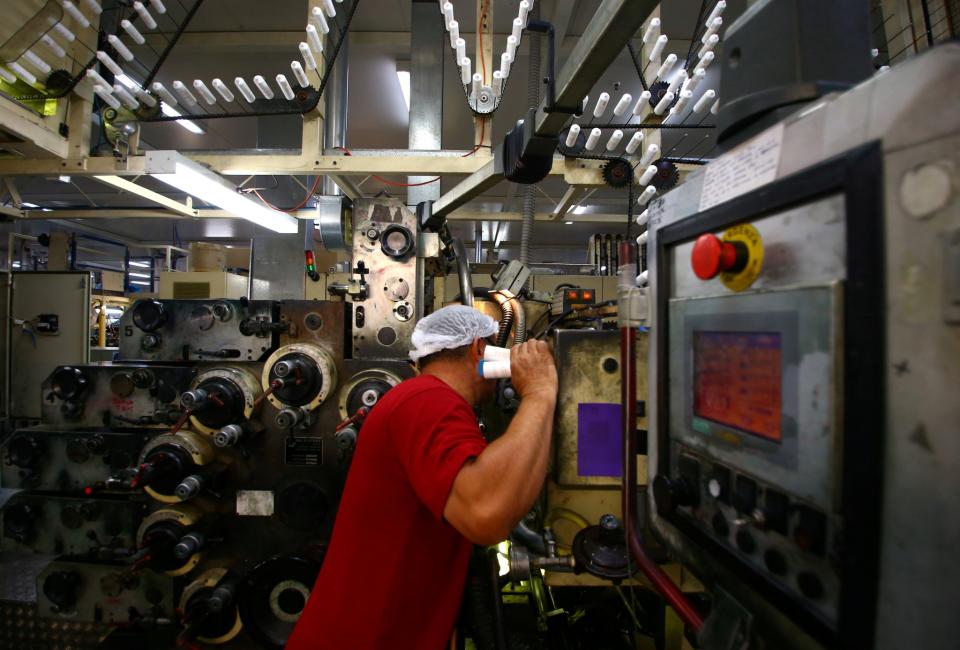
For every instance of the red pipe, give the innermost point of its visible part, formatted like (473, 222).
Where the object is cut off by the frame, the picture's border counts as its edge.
(628, 399)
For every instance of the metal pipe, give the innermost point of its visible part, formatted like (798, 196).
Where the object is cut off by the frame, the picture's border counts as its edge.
(533, 101)
(463, 271)
(478, 242)
(628, 400)
(335, 120)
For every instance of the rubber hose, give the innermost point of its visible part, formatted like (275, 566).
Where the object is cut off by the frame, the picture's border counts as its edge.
(463, 271)
(525, 536)
(482, 600)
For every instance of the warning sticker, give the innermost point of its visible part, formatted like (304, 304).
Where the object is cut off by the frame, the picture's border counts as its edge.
(743, 169)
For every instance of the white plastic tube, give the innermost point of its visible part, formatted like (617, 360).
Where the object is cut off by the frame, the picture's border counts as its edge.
(708, 46)
(642, 278)
(8, 76)
(657, 48)
(717, 10)
(313, 39)
(647, 175)
(505, 61)
(94, 7)
(53, 46)
(584, 104)
(125, 97)
(132, 32)
(447, 13)
(184, 93)
(705, 61)
(22, 72)
(494, 369)
(494, 353)
(642, 218)
(145, 16)
(329, 8)
(573, 134)
(524, 11)
(698, 75)
(634, 143)
(106, 96)
(204, 92)
(517, 29)
(319, 20)
(299, 74)
(666, 66)
(75, 13)
(652, 152)
(165, 95)
(37, 62)
(461, 46)
(223, 90)
(476, 82)
(705, 100)
(614, 140)
(643, 103)
(593, 139)
(646, 195)
(285, 88)
(712, 28)
(512, 45)
(95, 78)
(144, 97)
(454, 29)
(67, 35)
(158, 6)
(661, 107)
(263, 87)
(642, 239)
(601, 106)
(653, 31)
(678, 81)
(244, 89)
(497, 83)
(307, 55)
(685, 97)
(716, 107)
(109, 63)
(623, 104)
(465, 75)
(121, 49)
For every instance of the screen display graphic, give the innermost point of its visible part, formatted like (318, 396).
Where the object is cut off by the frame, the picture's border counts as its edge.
(737, 380)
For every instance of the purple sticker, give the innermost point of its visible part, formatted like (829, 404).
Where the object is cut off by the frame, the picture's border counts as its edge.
(599, 440)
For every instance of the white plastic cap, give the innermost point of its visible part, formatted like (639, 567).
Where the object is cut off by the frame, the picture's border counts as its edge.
(448, 328)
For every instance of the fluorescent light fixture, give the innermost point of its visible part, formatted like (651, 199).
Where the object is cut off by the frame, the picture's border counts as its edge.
(404, 77)
(29, 205)
(187, 124)
(580, 209)
(16, 265)
(63, 179)
(150, 195)
(140, 282)
(142, 265)
(182, 173)
(569, 223)
(138, 275)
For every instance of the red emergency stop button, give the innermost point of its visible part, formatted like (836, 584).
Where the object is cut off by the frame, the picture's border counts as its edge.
(711, 256)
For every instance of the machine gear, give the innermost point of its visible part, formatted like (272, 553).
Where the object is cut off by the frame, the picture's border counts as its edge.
(657, 91)
(667, 176)
(618, 173)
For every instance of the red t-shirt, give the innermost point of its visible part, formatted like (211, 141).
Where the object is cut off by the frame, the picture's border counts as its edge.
(395, 570)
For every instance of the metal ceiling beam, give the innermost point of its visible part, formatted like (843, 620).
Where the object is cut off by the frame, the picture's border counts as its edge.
(128, 186)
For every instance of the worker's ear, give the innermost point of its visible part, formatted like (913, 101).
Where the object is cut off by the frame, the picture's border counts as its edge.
(477, 348)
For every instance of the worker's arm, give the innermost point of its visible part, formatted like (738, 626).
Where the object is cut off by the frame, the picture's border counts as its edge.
(496, 489)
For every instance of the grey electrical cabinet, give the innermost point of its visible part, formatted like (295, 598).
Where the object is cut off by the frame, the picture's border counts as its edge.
(48, 326)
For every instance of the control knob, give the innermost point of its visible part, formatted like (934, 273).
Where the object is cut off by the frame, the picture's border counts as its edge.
(149, 315)
(671, 493)
(68, 382)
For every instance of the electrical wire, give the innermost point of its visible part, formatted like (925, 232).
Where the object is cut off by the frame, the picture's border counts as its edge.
(313, 190)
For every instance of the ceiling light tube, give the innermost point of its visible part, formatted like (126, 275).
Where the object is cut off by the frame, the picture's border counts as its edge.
(189, 125)
(132, 32)
(184, 174)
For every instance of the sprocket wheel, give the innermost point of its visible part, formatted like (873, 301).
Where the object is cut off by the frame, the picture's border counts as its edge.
(618, 173)
(667, 176)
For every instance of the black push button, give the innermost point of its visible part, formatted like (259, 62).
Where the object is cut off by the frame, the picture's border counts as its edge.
(689, 469)
(720, 483)
(776, 563)
(810, 585)
(745, 495)
(810, 531)
(776, 511)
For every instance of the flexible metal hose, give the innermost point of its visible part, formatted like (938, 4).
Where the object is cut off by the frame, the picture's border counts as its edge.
(533, 100)
(521, 334)
(508, 315)
(463, 271)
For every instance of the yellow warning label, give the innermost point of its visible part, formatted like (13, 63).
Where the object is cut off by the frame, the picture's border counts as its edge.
(750, 237)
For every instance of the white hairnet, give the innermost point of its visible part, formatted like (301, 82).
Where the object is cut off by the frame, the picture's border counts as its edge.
(448, 328)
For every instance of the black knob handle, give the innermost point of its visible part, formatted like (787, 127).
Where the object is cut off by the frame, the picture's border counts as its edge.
(669, 494)
(68, 382)
(149, 315)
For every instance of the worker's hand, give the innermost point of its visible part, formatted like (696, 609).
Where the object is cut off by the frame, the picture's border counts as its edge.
(532, 370)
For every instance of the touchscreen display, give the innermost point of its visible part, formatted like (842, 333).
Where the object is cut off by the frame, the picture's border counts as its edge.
(737, 380)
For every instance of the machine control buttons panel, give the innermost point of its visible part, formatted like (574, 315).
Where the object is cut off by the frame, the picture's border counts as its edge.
(775, 533)
(712, 256)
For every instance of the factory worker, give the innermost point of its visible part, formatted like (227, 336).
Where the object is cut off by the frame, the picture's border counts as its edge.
(424, 487)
